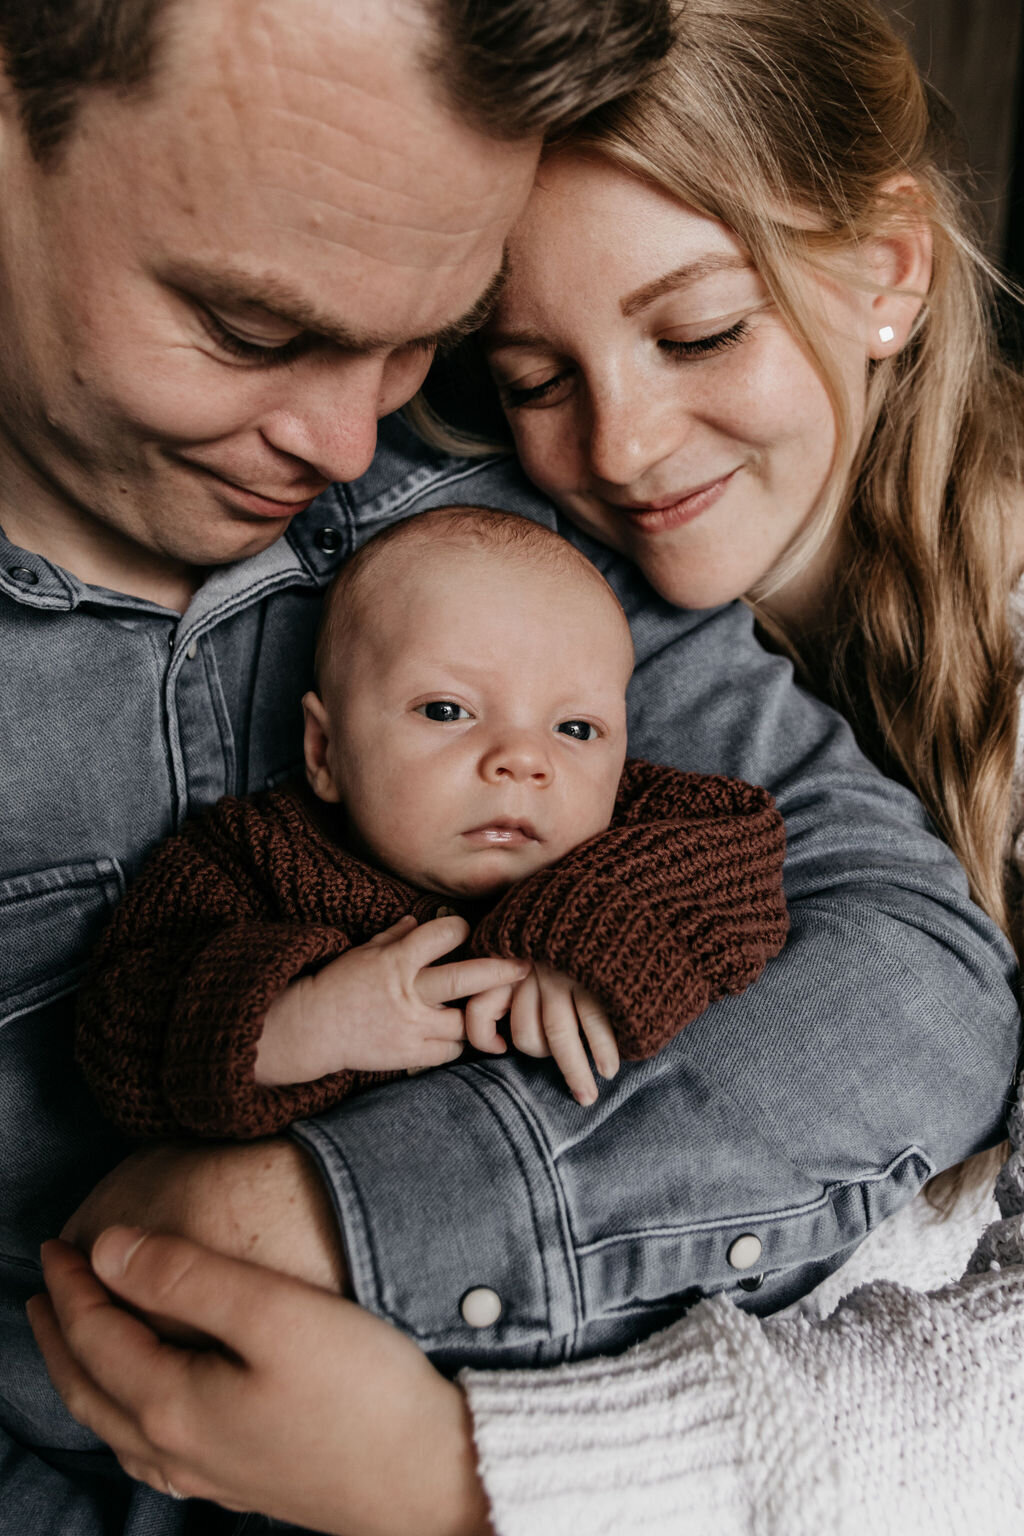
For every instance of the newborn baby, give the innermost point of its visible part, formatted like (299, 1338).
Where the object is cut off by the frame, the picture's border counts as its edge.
(467, 787)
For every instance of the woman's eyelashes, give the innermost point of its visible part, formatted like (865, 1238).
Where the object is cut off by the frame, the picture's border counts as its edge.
(552, 391)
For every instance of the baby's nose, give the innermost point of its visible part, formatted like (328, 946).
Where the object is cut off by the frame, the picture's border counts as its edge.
(522, 758)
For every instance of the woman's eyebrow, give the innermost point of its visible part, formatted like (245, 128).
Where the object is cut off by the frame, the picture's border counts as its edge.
(681, 277)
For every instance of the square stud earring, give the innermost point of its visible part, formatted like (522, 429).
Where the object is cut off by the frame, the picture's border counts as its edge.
(886, 333)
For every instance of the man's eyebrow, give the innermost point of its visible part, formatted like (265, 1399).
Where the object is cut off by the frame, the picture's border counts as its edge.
(681, 277)
(234, 289)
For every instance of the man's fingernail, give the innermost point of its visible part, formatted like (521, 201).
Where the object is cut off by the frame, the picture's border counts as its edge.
(113, 1249)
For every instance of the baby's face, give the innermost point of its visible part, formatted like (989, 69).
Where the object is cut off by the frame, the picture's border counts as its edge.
(477, 722)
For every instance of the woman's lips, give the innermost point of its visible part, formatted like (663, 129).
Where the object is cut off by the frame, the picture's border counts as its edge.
(674, 511)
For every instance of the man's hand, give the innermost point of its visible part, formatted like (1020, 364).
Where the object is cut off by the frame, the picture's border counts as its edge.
(313, 1412)
(380, 1007)
(549, 1015)
(260, 1200)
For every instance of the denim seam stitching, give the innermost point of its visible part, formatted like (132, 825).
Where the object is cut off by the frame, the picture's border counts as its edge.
(767, 1218)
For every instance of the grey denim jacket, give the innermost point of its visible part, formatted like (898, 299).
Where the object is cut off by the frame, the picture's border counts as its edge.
(750, 1156)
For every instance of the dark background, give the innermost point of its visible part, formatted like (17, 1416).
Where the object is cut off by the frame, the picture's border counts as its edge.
(973, 52)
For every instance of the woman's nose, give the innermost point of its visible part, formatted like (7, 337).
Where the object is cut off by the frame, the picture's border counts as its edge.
(522, 757)
(631, 436)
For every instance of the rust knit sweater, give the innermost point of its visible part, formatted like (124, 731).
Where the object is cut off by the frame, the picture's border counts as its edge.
(677, 903)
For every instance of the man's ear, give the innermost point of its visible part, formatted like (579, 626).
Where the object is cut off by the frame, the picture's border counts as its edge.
(899, 264)
(316, 744)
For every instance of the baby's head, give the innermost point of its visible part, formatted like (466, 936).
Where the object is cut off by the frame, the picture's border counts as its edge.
(470, 715)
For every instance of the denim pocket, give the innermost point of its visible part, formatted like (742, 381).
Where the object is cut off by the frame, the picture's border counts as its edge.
(49, 918)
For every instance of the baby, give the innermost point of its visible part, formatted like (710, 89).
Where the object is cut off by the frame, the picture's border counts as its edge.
(465, 749)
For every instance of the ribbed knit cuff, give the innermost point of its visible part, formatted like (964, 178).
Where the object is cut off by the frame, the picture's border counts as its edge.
(210, 1052)
(695, 1432)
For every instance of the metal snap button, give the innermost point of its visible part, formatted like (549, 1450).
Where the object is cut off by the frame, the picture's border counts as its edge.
(328, 539)
(751, 1282)
(22, 575)
(480, 1307)
(193, 650)
(746, 1250)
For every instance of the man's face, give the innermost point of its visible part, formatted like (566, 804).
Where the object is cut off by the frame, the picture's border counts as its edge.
(227, 279)
(477, 715)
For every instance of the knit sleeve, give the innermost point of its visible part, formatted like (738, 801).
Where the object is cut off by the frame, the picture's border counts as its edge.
(678, 903)
(171, 1012)
(898, 1415)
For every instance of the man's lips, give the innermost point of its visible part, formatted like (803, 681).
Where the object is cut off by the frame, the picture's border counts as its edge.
(674, 510)
(503, 832)
(256, 501)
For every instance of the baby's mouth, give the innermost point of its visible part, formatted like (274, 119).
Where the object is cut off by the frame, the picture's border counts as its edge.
(503, 833)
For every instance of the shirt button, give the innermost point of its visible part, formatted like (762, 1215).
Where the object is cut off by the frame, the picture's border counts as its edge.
(328, 539)
(746, 1250)
(193, 650)
(480, 1307)
(22, 575)
(751, 1282)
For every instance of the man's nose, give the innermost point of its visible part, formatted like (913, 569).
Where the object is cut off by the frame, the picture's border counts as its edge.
(328, 407)
(519, 757)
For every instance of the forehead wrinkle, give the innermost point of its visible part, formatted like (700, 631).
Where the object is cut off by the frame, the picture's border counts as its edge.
(681, 277)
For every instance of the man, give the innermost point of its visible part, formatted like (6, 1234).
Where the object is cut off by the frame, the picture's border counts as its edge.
(231, 234)
(211, 287)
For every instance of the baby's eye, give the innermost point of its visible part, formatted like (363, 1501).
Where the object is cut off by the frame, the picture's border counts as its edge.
(443, 710)
(579, 730)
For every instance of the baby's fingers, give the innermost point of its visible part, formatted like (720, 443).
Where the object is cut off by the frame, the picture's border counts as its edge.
(390, 935)
(482, 1014)
(525, 1018)
(600, 1036)
(562, 1029)
(439, 984)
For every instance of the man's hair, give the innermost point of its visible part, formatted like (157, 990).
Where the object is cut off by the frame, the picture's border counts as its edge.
(480, 528)
(513, 68)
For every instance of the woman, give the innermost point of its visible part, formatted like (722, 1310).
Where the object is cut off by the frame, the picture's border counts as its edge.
(778, 383)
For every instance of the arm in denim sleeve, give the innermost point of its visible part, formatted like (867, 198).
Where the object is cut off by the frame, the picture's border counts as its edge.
(679, 902)
(170, 1017)
(874, 1050)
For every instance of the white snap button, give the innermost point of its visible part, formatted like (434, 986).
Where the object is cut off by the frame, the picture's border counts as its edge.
(192, 651)
(746, 1250)
(480, 1307)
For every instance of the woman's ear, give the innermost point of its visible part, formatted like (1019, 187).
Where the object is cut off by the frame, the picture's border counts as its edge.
(316, 745)
(899, 265)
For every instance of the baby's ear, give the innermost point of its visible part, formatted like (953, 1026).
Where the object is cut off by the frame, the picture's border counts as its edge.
(316, 745)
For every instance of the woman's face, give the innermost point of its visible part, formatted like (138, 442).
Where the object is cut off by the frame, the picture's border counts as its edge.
(654, 392)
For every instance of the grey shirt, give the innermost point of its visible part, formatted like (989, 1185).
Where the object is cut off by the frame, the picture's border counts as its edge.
(877, 1048)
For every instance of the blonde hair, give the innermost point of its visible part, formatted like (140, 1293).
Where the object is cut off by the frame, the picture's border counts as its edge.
(805, 128)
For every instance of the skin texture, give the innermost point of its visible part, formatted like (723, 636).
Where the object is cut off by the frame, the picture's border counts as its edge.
(293, 150)
(470, 633)
(697, 399)
(158, 1402)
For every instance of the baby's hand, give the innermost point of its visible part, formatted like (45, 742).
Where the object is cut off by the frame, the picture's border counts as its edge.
(380, 1007)
(549, 1015)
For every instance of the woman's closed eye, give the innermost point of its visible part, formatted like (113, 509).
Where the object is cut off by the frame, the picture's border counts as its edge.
(704, 346)
(444, 711)
(579, 730)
